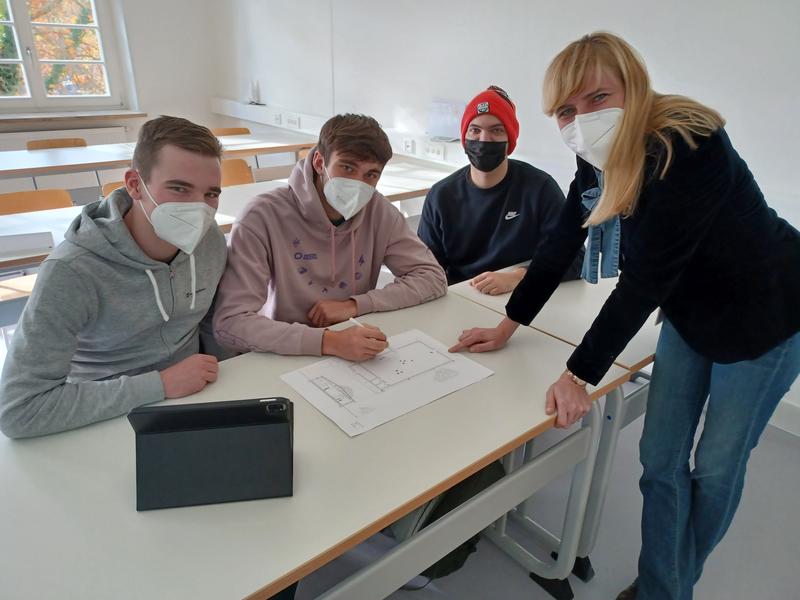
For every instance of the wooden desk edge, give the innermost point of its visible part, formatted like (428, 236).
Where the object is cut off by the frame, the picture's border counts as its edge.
(21, 262)
(407, 195)
(110, 164)
(233, 152)
(320, 560)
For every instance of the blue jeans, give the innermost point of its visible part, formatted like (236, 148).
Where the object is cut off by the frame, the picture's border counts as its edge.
(687, 512)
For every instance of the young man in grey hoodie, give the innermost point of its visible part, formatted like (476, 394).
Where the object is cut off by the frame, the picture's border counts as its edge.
(113, 321)
(306, 256)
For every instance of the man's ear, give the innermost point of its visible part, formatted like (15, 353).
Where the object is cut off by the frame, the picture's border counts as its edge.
(318, 162)
(132, 184)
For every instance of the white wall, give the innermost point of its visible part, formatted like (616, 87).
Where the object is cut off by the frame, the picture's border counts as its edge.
(175, 63)
(390, 59)
(285, 45)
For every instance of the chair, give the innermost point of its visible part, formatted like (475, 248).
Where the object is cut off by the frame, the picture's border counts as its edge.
(301, 154)
(55, 143)
(21, 202)
(110, 187)
(230, 131)
(236, 171)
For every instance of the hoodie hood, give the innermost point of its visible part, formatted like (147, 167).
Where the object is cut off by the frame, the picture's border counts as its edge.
(309, 204)
(304, 191)
(101, 230)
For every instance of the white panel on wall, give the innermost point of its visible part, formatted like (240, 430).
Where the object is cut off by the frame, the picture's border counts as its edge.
(284, 45)
(174, 53)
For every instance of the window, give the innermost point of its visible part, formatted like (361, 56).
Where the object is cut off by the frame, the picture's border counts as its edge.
(57, 54)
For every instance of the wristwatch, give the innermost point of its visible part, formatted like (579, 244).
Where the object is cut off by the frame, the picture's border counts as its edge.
(574, 378)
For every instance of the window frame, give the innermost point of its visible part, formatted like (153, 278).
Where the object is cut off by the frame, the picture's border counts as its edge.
(38, 101)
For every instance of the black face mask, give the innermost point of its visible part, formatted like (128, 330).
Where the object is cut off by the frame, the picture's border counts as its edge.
(485, 156)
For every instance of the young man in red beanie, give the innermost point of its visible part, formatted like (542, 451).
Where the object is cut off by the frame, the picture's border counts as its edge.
(494, 212)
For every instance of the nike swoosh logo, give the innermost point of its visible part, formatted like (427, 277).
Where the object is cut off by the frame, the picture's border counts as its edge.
(512, 215)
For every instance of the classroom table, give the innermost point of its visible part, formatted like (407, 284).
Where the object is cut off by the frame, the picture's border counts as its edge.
(567, 316)
(75, 531)
(27, 163)
(56, 221)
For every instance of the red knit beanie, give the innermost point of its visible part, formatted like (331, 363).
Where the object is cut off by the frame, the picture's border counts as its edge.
(491, 102)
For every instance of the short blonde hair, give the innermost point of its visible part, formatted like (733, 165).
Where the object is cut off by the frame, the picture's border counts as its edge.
(647, 115)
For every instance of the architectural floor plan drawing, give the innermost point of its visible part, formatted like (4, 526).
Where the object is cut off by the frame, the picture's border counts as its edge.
(413, 371)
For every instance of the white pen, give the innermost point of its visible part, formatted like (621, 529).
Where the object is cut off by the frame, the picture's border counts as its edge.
(356, 321)
(360, 324)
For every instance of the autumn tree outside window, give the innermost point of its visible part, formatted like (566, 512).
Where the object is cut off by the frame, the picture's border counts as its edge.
(57, 53)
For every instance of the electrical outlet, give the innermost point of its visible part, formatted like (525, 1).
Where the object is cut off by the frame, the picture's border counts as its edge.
(293, 121)
(277, 119)
(434, 151)
(409, 145)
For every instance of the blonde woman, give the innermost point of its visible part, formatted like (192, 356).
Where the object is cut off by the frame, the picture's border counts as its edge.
(660, 188)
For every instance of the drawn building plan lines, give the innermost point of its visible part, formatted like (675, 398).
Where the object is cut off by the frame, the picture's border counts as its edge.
(414, 370)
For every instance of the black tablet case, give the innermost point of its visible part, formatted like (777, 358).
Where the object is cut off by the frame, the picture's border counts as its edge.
(189, 454)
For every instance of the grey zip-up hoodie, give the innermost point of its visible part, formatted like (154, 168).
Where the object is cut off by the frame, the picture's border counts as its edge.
(102, 320)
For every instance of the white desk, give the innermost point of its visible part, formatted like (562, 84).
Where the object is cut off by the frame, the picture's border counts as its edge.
(72, 530)
(406, 177)
(26, 163)
(57, 221)
(569, 314)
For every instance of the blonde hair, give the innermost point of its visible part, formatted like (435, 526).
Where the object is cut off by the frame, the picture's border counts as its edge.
(647, 115)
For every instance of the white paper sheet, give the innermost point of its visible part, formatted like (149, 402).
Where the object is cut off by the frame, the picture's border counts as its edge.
(413, 371)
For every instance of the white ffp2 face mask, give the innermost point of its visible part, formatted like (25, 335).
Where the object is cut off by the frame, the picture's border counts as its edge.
(591, 135)
(347, 196)
(182, 224)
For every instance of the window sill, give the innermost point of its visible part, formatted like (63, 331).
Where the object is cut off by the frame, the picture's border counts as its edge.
(89, 115)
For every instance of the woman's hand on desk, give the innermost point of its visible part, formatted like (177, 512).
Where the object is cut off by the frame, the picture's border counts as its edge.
(480, 339)
(496, 283)
(569, 399)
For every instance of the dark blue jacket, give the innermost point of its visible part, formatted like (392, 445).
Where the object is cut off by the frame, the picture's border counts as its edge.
(702, 244)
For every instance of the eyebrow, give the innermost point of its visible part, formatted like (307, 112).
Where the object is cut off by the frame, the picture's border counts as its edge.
(179, 182)
(186, 184)
(354, 164)
(595, 92)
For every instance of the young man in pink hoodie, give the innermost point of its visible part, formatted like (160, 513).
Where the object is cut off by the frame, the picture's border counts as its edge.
(306, 256)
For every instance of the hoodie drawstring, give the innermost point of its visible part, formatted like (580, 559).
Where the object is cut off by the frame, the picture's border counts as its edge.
(333, 254)
(164, 314)
(353, 264)
(194, 279)
(352, 257)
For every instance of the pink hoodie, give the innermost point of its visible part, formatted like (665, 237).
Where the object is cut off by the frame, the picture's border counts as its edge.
(285, 255)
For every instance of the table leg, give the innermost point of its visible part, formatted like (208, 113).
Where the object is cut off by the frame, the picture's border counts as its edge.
(413, 556)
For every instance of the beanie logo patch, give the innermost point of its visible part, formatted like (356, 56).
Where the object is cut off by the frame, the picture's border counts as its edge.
(483, 107)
